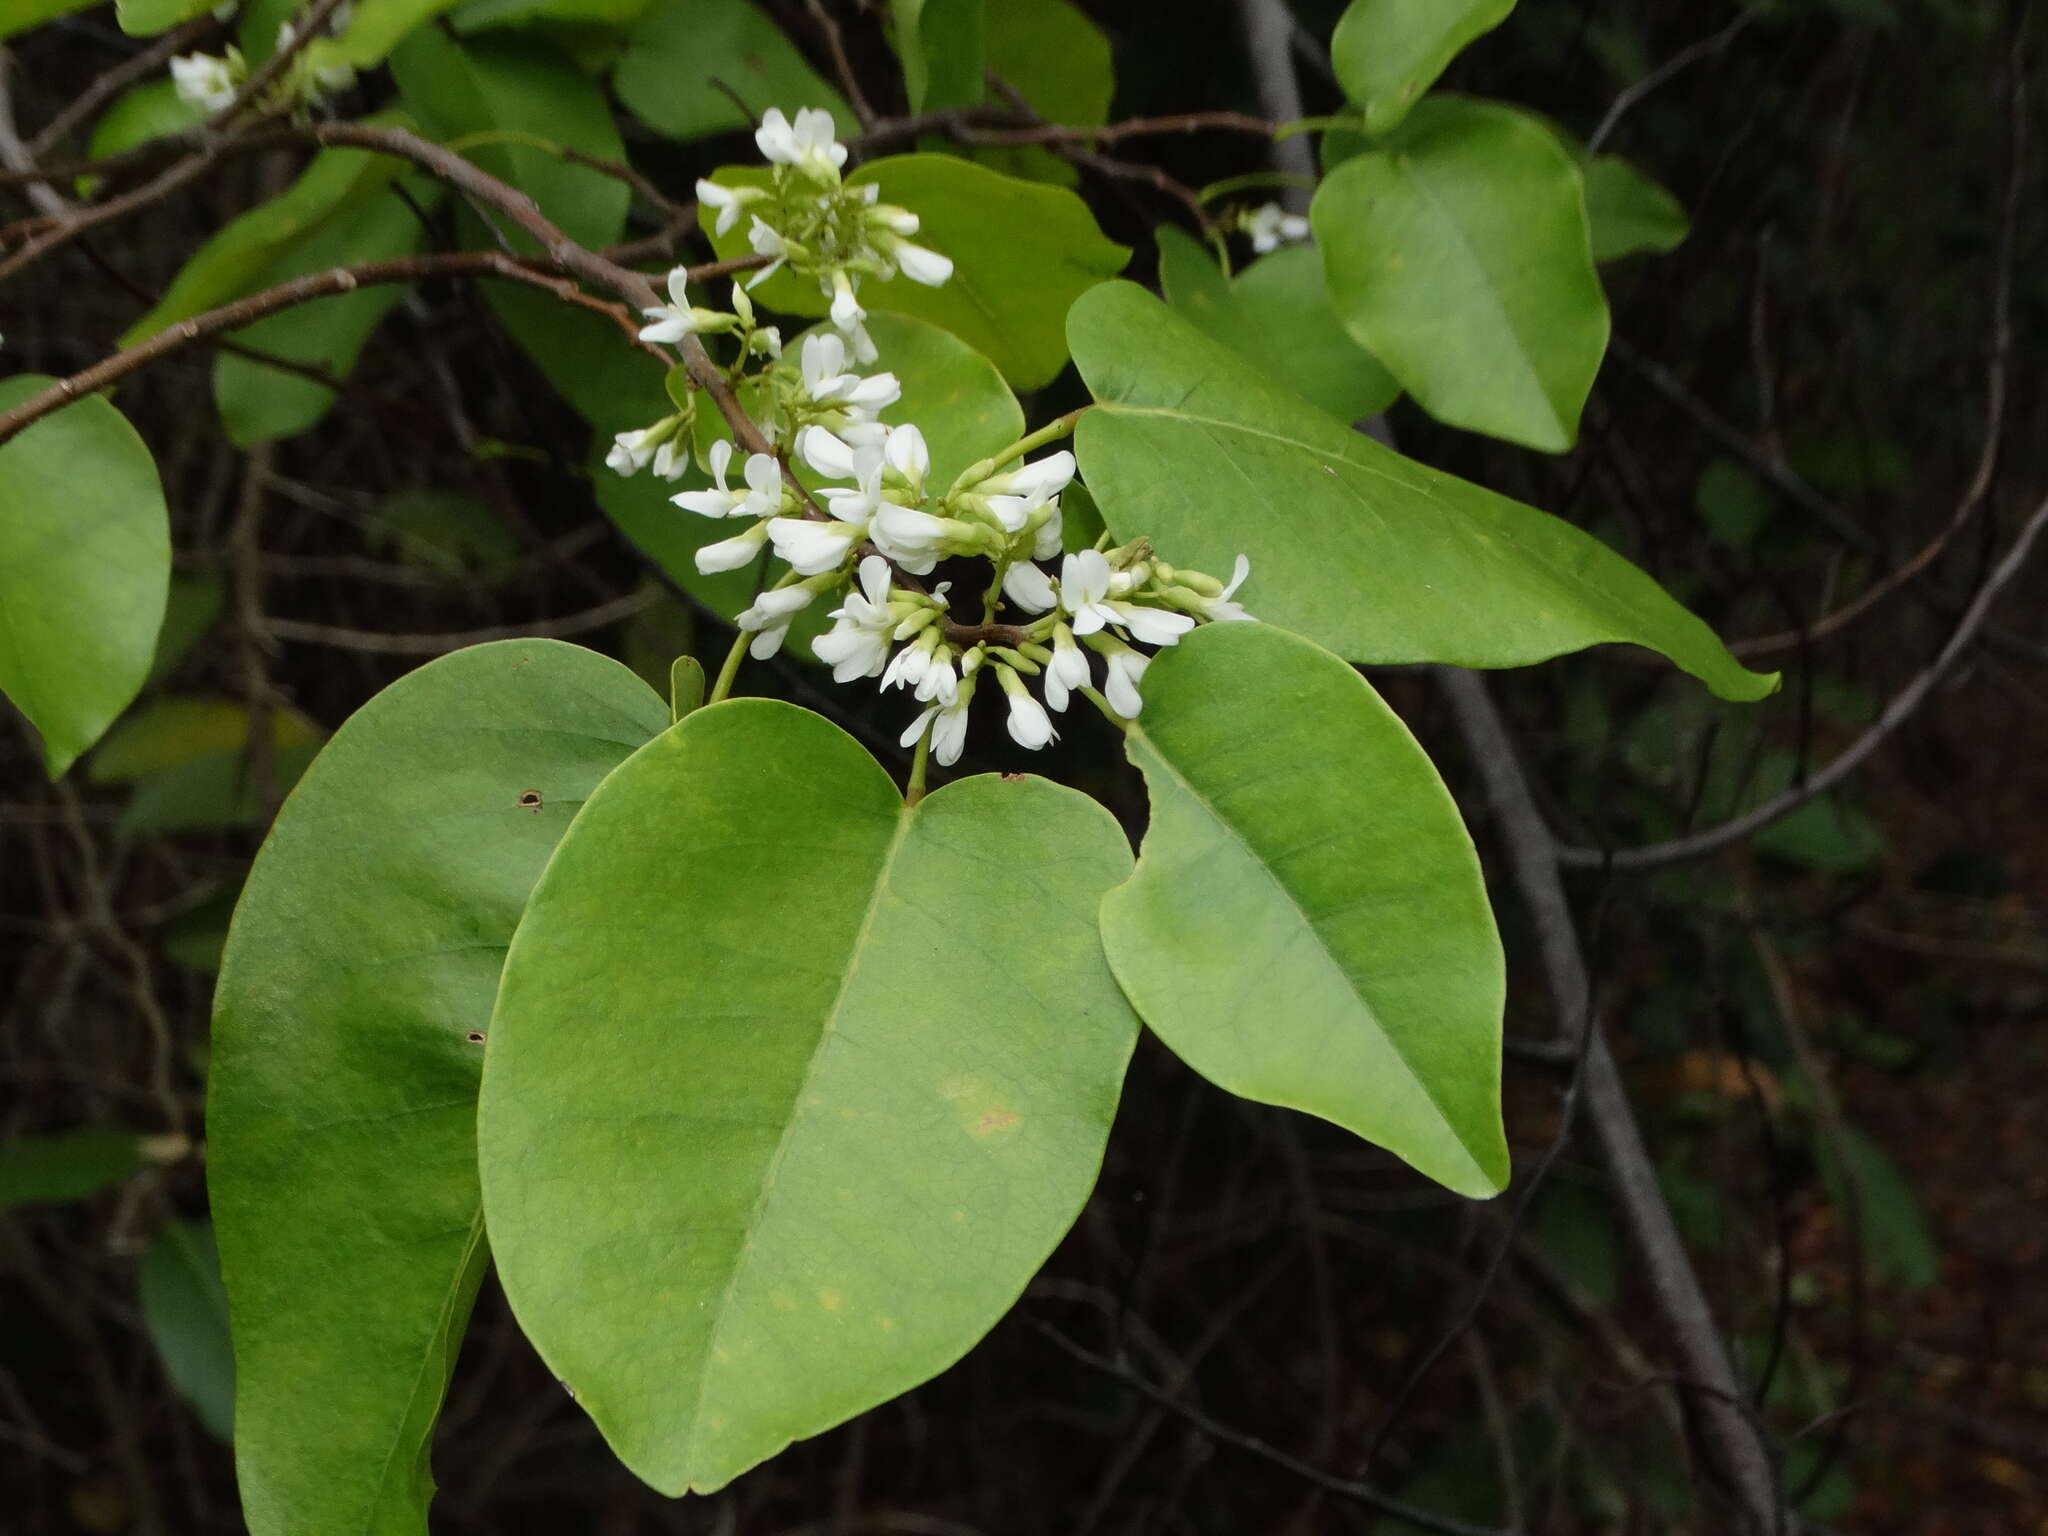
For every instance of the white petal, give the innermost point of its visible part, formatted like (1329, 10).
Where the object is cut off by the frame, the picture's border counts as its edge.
(825, 453)
(1029, 587)
(728, 554)
(921, 265)
(1153, 626)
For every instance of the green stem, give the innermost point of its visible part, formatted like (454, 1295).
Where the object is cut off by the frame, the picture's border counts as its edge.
(1108, 714)
(1352, 120)
(1057, 428)
(731, 669)
(915, 792)
(1230, 184)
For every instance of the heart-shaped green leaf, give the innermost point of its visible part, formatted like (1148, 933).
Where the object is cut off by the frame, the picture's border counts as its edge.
(1458, 255)
(792, 1087)
(1366, 552)
(1308, 925)
(346, 1051)
(85, 558)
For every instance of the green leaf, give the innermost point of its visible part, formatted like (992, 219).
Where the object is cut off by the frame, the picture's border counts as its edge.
(259, 403)
(212, 790)
(171, 731)
(1388, 52)
(482, 15)
(1053, 55)
(191, 605)
(944, 51)
(685, 687)
(1022, 253)
(672, 58)
(337, 184)
(342, 1153)
(376, 27)
(143, 18)
(85, 555)
(186, 1313)
(842, 1069)
(952, 392)
(1628, 213)
(1277, 312)
(152, 110)
(1308, 925)
(499, 100)
(1373, 555)
(1458, 255)
(1896, 1237)
(20, 15)
(49, 1170)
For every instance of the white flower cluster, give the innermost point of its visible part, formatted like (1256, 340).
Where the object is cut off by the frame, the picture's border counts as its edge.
(1271, 227)
(809, 220)
(208, 82)
(884, 525)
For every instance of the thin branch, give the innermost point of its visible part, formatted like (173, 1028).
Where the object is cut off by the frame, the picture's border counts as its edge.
(1684, 59)
(1533, 857)
(1329, 1482)
(842, 67)
(305, 31)
(112, 82)
(1896, 713)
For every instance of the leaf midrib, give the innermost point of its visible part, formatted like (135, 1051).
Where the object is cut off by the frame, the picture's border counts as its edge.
(906, 815)
(1322, 948)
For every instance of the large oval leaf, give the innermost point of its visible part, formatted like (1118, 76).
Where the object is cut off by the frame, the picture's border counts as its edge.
(85, 558)
(1277, 313)
(686, 68)
(1388, 52)
(1369, 553)
(1022, 253)
(1308, 925)
(790, 1087)
(1459, 256)
(364, 954)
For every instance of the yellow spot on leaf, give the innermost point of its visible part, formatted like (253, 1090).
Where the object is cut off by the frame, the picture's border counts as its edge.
(993, 1120)
(831, 1301)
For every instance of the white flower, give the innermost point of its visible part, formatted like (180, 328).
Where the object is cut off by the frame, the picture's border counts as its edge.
(1068, 669)
(762, 498)
(631, 452)
(812, 547)
(908, 666)
(898, 221)
(205, 81)
(769, 618)
(1051, 533)
(1221, 609)
(679, 318)
(830, 456)
(1030, 725)
(904, 451)
(915, 540)
(1013, 512)
(729, 201)
(948, 725)
(766, 242)
(731, 554)
(847, 316)
(808, 144)
(1084, 586)
(672, 459)
(1029, 587)
(1270, 228)
(1152, 626)
(919, 264)
(857, 645)
(1049, 475)
(1126, 666)
(858, 503)
(1086, 582)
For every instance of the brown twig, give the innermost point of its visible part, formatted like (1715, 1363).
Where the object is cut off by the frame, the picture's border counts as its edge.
(1896, 713)
(381, 644)
(842, 67)
(112, 82)
(305, 31)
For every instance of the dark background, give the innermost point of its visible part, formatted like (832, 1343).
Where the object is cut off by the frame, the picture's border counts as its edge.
(1819, 355)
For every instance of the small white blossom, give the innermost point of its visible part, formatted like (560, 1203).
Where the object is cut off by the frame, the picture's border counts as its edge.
(204, 81)
(857, 645)
(731, 554)
(1271, 227)
(1051, 533)
(1030, 725)
(812, 547)
(948, 725)
(1049, 475)
(1029, 588)
(1221, 609)
(919, 264)
(632, 452)
(1152, 626)
(904, 452)
(762, 498)
(808, 143)
(769, 618)
(679, 318)
(916, 540)
(847, 317)
(1067, 672)
(729, 201)
(829, 455)
(766, 242)
(1086, 582)
(1125, 667)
